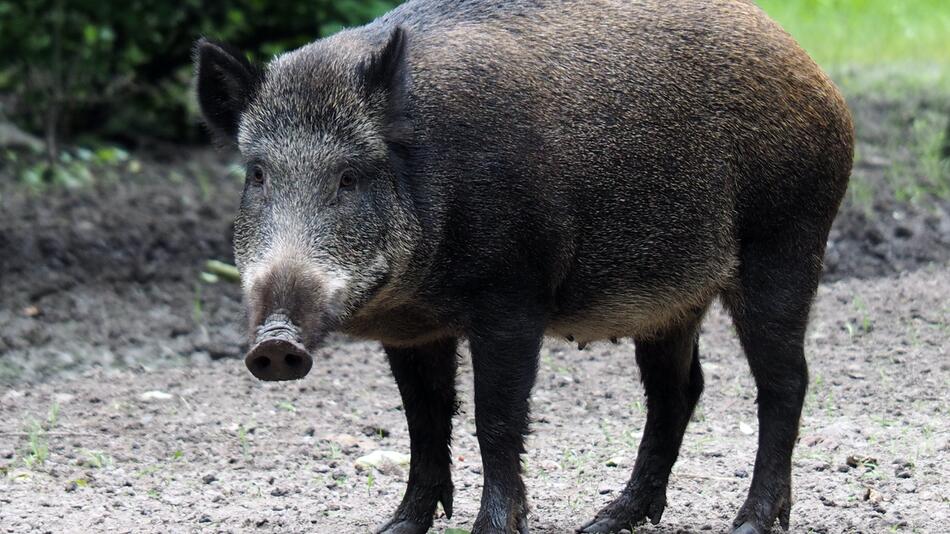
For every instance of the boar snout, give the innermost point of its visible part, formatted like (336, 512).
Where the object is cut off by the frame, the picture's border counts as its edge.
(278, 353)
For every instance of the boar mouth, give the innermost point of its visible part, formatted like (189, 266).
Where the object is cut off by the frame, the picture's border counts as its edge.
(278, 352)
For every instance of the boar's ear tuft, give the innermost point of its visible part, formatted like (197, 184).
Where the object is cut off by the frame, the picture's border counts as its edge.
(227, 83)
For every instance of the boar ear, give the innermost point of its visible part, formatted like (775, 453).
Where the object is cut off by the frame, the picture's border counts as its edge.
(227, 83)
(384, 69)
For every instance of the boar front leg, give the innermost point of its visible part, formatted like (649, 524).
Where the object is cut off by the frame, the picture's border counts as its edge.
(426, 379)
(505, 365)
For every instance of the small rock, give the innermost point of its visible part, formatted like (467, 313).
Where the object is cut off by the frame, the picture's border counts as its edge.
(616, 461)
(345, 441)
(549, 465)
(156, 395)
(205, 518)
(741, 473)
(209, 478)
(873, 496)
(604, 490)
(843, 468)
(746, 429)
(278, 492)
(383, 461)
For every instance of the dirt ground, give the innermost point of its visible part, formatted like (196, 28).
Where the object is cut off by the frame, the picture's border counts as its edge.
(124, 408)
(226, 453)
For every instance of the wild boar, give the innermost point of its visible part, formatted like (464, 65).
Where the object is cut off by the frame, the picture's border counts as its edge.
(501, 170)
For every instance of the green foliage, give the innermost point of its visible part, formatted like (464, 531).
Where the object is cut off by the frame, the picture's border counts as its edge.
(72, 168)
(867, 32)
(123, 70)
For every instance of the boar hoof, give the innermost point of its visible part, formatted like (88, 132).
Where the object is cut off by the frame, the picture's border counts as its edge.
(626, 512)
(402, 526)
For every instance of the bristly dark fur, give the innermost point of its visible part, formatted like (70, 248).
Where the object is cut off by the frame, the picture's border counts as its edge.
(501, 170)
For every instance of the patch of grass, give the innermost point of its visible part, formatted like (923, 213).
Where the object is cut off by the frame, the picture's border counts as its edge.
(287, 406)
(197, 307)
(868, 32)
(97, 459)
(148, 470)
(892, 56)
(37, 449)
(335, 451)
(370, 482)
(243, 441)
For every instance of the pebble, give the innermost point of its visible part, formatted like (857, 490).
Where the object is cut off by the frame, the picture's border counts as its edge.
(154, 395)
(209, 478)
(387, 462)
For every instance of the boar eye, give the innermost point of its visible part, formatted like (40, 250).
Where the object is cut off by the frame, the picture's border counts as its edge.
(256, 175)
(347, 180)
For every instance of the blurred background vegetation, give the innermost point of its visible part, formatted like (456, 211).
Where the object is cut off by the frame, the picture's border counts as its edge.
(92, 73)
(121, 71)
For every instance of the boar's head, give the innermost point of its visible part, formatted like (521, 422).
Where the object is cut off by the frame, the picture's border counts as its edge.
(324, 218)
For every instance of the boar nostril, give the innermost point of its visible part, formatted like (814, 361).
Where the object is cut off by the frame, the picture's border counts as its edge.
(262, 363)
(293, 360)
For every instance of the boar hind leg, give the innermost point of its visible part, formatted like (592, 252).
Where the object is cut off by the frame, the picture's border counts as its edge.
(770, 305)
(426, 379)
(505, 365)
(673, 381)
